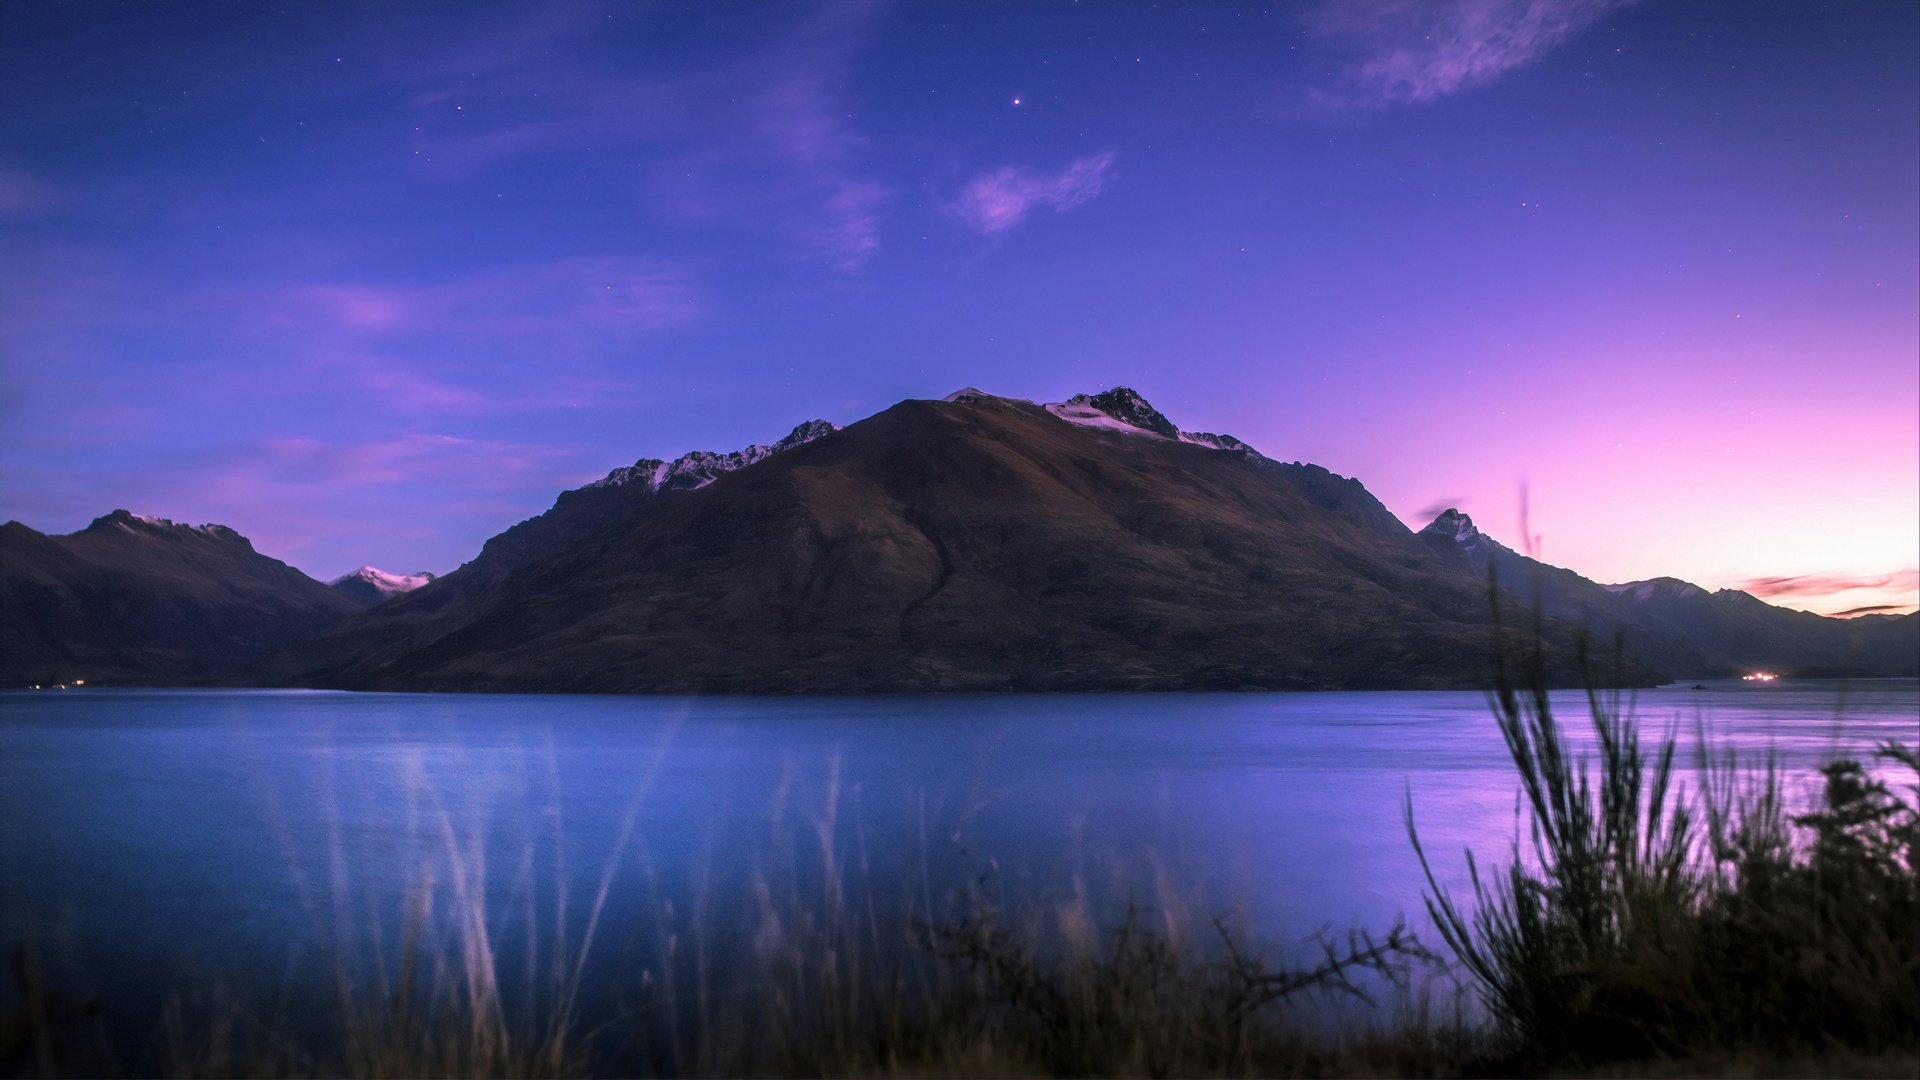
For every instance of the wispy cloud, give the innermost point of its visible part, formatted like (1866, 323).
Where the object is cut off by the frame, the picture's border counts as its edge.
(607, 295)
(1870, 609)
(1811, 586)
(1437, 507)
(996, 201)
(387, 339)
(23, 195)
(410, 458)
(763, 138)
(513, 339)
(1392, 52)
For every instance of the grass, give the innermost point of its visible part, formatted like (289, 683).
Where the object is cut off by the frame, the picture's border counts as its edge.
(1645, 923)
(1640, 930)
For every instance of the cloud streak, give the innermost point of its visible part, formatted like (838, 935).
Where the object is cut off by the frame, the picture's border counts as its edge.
(1828, 584)
(23, 195)
(427, 347)
(996, 201)
(763, 139)
(614, 296)
(1408, 52)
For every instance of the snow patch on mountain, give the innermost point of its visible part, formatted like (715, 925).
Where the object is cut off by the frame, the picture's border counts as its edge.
(1122, 409)
(702, 467)
(1122, 406)
(1218, 442)
(1654, 589)
(1459, 528)
(973, 393)
(1075, 410)
(1455, 526)
(128, 521)
(383, 582)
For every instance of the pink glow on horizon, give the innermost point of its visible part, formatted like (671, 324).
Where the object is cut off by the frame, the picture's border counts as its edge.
(1815, 514)
(616, 295)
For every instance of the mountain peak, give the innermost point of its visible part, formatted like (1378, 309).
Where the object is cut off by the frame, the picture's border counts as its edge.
(374, 584)
(1455, 526)
(1660, 588)
(1458, 529)
(1122, 409)
(698, 468)
(1124, 404)
(128, 521)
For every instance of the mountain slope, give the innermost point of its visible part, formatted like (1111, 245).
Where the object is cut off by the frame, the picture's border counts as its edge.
(579, 510)
(140, 599)
(977, 543)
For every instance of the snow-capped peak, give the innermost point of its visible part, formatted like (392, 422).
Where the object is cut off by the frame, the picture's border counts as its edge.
(1655, 588)
(386, 584)
(1122, 409)
(1455, 526)
(967, 393)
(702, 467)
(1460, 529)
(128, 521)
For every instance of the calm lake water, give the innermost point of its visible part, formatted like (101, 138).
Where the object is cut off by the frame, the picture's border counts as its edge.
(156, 837)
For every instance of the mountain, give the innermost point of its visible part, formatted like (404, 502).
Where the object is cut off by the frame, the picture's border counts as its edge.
(139, 599)
(1682, 629)
(975, 543)
(1565, 595)
(1886, 643)
(371, 585)
(1745, 633)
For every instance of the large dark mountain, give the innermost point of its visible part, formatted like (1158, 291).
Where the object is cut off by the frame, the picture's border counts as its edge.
(973, 543)
(140, 599)
(1682, 629)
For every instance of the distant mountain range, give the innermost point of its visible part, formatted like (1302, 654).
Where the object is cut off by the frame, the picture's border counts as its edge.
(973, 543)
(1685, 630)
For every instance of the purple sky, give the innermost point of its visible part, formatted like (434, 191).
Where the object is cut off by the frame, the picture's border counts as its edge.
(371, 283)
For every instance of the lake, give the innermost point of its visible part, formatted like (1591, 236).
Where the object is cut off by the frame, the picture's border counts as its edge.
(160, 838)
